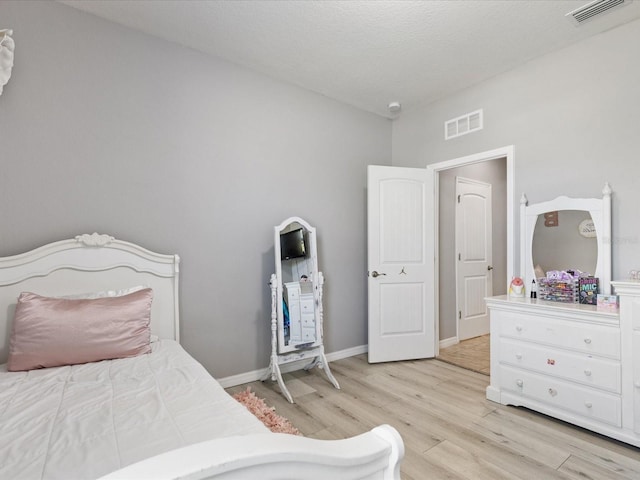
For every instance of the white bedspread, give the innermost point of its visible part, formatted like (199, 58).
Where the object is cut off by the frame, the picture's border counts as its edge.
(85, 421)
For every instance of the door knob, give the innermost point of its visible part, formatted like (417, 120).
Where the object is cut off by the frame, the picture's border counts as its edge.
(489, 268)
(375, 274)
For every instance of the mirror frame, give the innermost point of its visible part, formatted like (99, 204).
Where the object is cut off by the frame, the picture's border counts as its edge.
(600, 211)
(312, 257)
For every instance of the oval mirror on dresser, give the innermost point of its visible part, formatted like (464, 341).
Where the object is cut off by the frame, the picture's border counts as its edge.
(567, 233)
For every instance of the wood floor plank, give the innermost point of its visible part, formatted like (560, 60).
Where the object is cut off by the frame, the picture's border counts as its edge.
(583, 469)
(532, 442)
(466, 464)
(373, 394)
(460, 431)
(610, 454)
(451, 431)
(435, 397)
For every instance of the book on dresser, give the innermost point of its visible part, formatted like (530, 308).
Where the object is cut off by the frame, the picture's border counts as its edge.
(588, 290)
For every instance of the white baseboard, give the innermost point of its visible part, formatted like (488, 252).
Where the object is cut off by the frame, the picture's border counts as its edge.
(241, 378)
(448, 342)
(349, 352)
(256, 375)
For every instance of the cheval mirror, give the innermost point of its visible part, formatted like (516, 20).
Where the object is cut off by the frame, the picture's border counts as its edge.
(567, 233)
(296, 302)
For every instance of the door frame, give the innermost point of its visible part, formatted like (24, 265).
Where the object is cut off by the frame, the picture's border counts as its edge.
(433, 217)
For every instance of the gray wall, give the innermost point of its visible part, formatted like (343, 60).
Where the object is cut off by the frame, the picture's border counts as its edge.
(573, 117)
(106, 129)
(495, 173)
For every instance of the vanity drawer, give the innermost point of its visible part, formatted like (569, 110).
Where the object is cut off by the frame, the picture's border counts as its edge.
(309, 334)
(584, 401)
(583, 337)
(292, 291)
(295, 331)
(306, 305)
(308, 321)
(582, 368)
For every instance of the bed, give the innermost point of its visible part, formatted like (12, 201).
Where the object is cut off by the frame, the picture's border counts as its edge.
(76, 403)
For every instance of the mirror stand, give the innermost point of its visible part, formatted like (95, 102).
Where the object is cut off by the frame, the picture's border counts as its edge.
(296, 304)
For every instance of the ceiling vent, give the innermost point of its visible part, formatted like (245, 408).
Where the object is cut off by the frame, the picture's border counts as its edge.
(462, 125)
(594, 9)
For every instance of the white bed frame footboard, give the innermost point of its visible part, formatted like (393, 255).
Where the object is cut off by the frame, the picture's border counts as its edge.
(372, 455)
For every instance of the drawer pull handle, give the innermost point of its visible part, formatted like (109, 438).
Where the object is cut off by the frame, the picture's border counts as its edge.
(553, 392)
(587, 372)
(519, 328)
(587, 341)
(519, 383)
(518, 356)
(588, 404)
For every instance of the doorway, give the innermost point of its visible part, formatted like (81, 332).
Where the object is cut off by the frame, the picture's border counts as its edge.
(495, 167)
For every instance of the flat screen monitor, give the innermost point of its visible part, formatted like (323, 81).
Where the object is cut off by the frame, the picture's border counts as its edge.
(292, 244)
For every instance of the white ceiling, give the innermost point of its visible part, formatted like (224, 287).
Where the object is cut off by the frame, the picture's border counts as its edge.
(366, 53)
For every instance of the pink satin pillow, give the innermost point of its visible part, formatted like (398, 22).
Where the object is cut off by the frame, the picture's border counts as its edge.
(49, 332)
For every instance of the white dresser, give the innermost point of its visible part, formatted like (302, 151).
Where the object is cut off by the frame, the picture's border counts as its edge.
(572, 362)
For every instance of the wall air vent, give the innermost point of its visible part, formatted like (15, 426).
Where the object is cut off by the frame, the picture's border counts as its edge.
(462, 125)
(593, 9)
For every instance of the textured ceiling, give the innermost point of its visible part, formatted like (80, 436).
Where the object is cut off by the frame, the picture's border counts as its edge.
(366, 53)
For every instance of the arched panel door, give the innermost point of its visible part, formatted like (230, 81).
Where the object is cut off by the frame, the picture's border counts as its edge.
(401, 313)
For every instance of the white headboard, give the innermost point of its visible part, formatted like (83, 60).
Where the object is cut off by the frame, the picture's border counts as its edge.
(90, 263)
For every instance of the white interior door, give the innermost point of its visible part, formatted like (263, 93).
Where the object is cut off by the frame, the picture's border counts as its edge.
(401, 314)
(474, 278)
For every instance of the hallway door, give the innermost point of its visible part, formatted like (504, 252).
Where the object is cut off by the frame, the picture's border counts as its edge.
(474, 269)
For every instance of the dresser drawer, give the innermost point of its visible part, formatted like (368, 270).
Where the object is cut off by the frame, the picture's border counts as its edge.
(584, 401)
(583, 337)
(583, 368)
(636, 381)
(630, 308)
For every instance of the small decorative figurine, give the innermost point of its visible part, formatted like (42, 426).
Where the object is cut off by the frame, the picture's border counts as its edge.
(516, 288)
(7, 46)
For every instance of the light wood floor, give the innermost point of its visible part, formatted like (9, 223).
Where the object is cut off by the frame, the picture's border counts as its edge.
(472, 354)
(451, 431)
